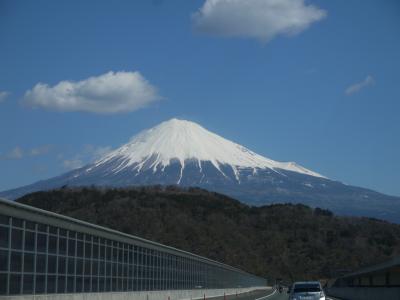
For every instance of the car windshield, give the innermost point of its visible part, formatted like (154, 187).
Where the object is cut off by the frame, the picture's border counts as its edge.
(304, 288)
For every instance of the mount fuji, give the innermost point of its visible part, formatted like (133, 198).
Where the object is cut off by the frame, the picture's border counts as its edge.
(179, 152)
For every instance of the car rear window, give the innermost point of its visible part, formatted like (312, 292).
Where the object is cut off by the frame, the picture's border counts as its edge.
(305, 288)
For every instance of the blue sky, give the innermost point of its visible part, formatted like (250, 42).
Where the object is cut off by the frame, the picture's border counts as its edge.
(323, 92)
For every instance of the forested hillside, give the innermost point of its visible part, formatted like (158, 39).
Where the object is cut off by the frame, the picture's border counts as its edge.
(290, 241)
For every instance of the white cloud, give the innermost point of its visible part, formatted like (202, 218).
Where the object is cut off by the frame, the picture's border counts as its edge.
(96, 152)
(40, 150)
(19, 153)
(354, 88)
(73, 163)
(16, 153)
(112, 92)
(260, 19)
(3, 95)
(88, 154)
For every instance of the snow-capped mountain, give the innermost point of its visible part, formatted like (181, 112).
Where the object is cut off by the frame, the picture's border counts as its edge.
(179, 152)
(187, 142)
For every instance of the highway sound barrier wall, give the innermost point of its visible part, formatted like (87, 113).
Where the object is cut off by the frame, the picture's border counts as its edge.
(46, 253)
(380, 281)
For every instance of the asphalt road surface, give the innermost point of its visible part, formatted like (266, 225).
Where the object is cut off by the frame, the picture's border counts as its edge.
(260, 295)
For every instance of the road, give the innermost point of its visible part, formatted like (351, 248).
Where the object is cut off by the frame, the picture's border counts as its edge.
(260, 295)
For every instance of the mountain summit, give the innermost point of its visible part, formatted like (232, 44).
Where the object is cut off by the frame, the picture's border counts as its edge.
(179, 152)
(185, 141)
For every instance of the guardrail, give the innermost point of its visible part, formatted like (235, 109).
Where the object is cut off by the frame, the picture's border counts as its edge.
(45, 253)
(380, 281)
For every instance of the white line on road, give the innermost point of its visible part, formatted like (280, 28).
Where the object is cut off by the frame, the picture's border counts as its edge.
(266, 296)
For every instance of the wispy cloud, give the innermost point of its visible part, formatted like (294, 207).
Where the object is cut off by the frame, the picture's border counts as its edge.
(15, 153)
(19, 153)
(260, 19)
(4, 95)
(40, 150)
(88, 154)
(96, 152)
(73, 163)
(358, 86)
(110, 93)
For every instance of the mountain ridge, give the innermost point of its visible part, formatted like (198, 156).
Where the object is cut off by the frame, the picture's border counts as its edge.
(183, 153)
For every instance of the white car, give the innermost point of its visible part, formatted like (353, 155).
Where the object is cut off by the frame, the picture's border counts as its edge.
(306, 290)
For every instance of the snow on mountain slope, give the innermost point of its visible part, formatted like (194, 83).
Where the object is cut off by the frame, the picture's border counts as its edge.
(184, 140)
(178, 152)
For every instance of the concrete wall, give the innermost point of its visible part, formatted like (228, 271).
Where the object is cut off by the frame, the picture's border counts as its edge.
(365, 293)
(146, 295)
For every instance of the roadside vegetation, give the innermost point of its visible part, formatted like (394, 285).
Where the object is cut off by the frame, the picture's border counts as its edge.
(276, 241)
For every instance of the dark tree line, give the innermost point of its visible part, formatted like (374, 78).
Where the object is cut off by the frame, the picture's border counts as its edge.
(283, 240)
